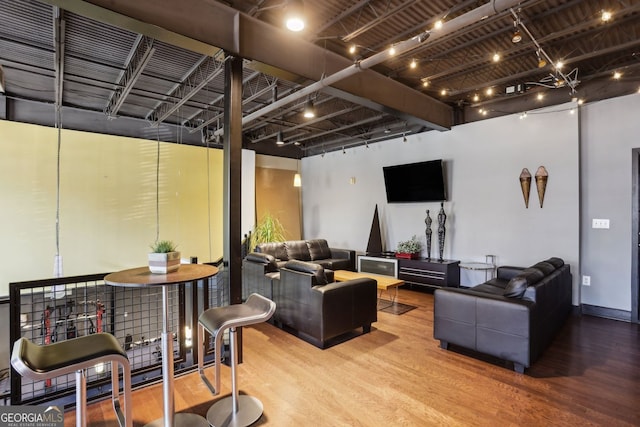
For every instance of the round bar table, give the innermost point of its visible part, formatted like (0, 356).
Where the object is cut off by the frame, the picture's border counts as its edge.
(142, 277)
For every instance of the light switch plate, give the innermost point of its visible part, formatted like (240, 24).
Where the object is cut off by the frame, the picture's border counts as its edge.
(600, 223)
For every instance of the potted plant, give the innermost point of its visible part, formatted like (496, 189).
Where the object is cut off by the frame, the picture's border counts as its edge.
(163, 257)
(409, 248)
(268, 229)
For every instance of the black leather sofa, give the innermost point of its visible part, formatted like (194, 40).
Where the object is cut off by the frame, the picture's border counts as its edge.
(513, 317)
(316, 251)
(313, 307)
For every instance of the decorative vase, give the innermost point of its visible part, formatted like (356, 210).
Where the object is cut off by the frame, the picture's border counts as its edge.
(163, 263)
(405, 255)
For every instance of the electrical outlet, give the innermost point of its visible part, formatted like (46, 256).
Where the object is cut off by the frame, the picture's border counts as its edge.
(599, 223)
(586, 280)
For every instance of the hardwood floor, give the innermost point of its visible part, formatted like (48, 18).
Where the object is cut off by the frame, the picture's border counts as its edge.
(398, 376)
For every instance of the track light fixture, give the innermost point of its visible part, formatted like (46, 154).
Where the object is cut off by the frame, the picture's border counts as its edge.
(279, 139)
(541, 61)
(516, 37)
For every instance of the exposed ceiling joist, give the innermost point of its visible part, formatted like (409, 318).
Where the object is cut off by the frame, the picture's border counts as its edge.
(218, 25)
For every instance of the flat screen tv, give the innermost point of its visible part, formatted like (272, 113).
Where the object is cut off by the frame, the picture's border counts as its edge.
(415, 182)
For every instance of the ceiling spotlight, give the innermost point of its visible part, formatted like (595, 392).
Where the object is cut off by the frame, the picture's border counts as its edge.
(496, 57)
(617, 75)
(559, 65)
(523, 116)
(540, 96)
(476, 98)
(413, 63)
(606, 16)
(485, 112)
(438, 24)
(392, 51)
(309, 110)
(517, 37)
(572, 111)
(352, 49)
(425, 82)
(279, 138)
(343, 152)
(541, 61)
(580, 101)
(404, 138)
(294, 15)
(489, 91)
(443, 92)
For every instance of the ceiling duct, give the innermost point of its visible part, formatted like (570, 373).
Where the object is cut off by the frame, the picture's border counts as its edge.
(481, 13)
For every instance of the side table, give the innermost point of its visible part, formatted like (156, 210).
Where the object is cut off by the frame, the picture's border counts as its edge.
(489, 266)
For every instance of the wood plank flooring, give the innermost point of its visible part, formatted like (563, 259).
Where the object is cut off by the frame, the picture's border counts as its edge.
(398, 376)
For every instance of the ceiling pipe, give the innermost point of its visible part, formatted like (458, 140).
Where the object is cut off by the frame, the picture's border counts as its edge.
(492, 8)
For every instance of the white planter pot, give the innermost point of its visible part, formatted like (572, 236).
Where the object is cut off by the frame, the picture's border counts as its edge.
(164, 263)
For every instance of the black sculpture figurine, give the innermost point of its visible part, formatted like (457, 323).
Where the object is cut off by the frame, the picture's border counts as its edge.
(442, 218)
(428, 232)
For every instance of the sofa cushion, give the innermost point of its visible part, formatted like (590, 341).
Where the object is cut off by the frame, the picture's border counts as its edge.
(317, 271)
(297, 249)
(556, 262)
(545, 267)
(268, 260)
(516, 286)
(275, 249)
(318, 249)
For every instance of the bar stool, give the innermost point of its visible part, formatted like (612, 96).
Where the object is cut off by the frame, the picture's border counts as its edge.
(232, 410)
(41, 362)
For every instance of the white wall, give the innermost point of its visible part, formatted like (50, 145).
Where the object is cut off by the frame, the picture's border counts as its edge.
(610, 129)
(486, 212)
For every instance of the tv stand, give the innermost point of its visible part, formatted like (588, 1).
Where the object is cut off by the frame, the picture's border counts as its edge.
(429, 273)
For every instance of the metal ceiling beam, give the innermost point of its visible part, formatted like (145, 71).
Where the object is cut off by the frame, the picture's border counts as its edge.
(202, 75)
(218, 25)
(138, 59)
(379, 20)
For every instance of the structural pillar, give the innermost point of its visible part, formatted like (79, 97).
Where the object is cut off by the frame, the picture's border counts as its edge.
(232, 176)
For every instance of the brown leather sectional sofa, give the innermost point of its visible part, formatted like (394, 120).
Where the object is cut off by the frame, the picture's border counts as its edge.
(513, 317)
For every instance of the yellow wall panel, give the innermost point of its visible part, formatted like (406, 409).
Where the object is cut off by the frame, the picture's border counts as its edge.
(107, 201)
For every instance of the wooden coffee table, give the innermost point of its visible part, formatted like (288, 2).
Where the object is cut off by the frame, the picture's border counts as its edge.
(384, 282)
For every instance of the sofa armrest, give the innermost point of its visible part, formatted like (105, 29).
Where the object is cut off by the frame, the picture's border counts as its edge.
(345, 254)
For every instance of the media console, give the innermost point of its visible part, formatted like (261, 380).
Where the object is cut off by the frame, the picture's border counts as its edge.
(422, 272)
(429, 272)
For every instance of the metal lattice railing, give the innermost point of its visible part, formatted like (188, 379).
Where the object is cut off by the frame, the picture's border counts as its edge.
(48, 311)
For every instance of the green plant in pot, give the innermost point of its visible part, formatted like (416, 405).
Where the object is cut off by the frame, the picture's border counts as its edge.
(409, 248)
(163, 257)
(268, 229)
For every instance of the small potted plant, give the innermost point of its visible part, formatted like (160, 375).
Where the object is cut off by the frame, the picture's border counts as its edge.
(163, 257)
(409, 248)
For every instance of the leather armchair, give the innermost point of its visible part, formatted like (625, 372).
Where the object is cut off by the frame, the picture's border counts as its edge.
(316, 309)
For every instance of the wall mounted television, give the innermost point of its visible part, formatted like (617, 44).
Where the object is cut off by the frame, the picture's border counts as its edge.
(415, 182)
